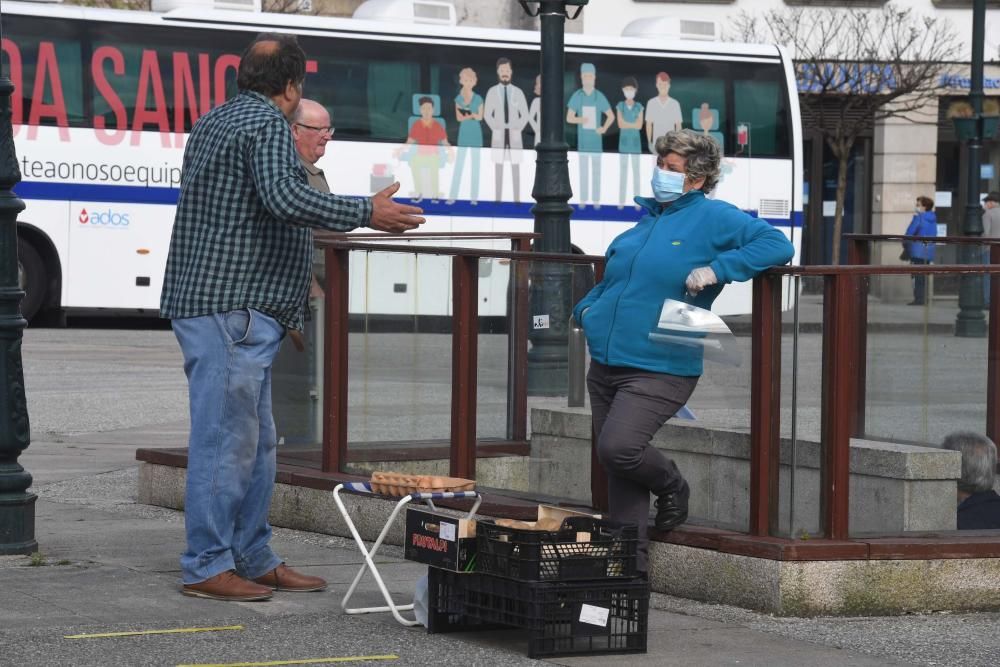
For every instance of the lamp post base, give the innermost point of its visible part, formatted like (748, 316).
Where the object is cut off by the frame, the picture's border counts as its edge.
(970, 327)
(549, 377)
(551, 297)
(17, 524)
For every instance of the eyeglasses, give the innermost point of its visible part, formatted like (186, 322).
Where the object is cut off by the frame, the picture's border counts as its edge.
(322, 130)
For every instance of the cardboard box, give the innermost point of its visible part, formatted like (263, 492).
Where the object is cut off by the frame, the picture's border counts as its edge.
(561, 513)
(440, 540)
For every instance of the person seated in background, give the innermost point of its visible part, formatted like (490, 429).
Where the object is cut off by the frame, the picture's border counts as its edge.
(978, 503)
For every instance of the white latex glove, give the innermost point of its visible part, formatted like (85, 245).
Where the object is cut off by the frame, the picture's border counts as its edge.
(699, 279)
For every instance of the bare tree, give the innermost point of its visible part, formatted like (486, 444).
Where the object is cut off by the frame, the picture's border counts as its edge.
(856, 67)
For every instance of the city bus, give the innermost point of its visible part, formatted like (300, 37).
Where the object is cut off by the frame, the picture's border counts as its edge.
(104, 100)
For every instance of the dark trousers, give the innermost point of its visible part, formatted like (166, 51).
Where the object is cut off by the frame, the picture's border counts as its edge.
(919, 281)
(629, 406)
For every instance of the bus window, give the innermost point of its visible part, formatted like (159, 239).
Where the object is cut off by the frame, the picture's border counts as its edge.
(368, 94)
(696, 95)
(703, 104)
(760, 105)
(163, 81)
(45, 62)
(707, 96)
(391, 86)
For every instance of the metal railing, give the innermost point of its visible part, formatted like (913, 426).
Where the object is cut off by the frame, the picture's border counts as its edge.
(843, 382)
(845, 310)
(465, 277)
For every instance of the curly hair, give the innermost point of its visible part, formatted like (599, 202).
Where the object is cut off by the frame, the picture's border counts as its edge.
(704, 160)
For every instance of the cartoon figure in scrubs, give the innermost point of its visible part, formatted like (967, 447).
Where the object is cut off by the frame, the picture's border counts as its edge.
(468, 113)
(630, 123)
(590, 111)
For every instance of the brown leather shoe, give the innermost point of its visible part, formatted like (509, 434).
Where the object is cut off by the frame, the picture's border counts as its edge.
(284, 578)
(228, 586)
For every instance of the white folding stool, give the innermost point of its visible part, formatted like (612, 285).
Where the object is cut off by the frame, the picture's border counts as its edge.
(369, 564)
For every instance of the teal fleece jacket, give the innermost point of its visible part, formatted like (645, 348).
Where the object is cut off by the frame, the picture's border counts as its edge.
(650, 262)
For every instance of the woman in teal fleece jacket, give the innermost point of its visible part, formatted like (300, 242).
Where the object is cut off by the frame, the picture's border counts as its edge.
(686, 247)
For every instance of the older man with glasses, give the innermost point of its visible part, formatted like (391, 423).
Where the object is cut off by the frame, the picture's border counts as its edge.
(311, 129)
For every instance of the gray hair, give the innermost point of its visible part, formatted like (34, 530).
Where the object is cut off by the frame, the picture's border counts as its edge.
(979, 460)
(304, 104)
(699, 150)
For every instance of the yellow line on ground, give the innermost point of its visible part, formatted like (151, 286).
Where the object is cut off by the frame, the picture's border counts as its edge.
(173, 631)
(306, 661)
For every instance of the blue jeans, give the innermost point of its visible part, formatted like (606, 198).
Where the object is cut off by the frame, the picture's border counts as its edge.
(231, 451)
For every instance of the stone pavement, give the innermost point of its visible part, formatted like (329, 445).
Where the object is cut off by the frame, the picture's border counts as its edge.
(107, 564)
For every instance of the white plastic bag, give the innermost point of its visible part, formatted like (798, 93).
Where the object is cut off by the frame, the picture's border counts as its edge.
(701, 330)
(421, 600)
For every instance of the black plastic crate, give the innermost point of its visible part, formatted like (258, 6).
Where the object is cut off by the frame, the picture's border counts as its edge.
(561, 618)
(446, 603)
(534, 555)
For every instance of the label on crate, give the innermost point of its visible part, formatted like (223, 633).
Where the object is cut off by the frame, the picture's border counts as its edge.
(594, 615)
(447, 531)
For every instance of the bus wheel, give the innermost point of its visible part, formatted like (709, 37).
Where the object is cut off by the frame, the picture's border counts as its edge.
(31, 278)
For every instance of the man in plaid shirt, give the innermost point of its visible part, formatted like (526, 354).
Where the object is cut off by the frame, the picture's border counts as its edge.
(237, 277)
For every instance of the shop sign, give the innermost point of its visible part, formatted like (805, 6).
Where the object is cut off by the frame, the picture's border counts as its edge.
(960, 81)
(854, 78)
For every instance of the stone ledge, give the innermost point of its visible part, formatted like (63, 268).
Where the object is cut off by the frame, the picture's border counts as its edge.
(868, 457)
(845, 588)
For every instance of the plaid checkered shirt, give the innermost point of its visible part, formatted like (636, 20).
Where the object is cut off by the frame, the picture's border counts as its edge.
(242, 234)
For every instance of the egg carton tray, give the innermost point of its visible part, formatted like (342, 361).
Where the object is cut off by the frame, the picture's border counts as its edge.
(401, 484)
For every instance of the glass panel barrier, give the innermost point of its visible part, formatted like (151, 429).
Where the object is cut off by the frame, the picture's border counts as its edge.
(399, 387)
(801, 401)
(493, 350)
(710, 440)
(924, 382)
(543, 296)
(501, 463)
(297, 390)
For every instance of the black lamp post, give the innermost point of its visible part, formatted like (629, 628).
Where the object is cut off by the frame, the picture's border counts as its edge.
(970, 322)
(551, 293)
(17, 506)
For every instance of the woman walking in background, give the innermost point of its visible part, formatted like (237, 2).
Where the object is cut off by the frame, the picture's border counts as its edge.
(924, 223)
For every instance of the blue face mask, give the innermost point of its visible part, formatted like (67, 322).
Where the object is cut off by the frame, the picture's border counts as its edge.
(667, 185)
